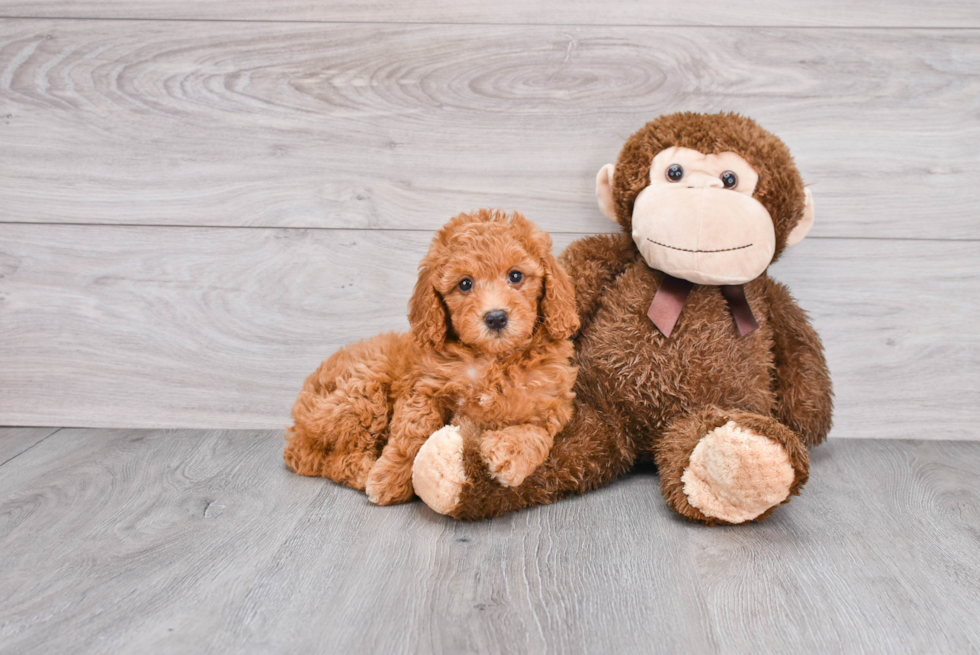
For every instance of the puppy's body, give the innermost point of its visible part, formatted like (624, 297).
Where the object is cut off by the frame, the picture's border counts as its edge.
(494, 392)
(363, 415)
(342, 415)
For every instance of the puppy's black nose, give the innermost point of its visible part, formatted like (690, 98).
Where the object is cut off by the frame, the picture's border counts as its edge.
(496, 320)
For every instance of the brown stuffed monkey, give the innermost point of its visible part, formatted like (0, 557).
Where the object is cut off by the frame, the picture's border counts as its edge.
(689, 354)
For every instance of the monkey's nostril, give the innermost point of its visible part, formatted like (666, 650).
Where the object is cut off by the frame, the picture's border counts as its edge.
(496, 320)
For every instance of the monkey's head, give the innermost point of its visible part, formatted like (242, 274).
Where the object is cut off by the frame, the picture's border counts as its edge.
(709, 198)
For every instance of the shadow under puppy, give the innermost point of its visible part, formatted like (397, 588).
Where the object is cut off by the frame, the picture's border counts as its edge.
(489, 352)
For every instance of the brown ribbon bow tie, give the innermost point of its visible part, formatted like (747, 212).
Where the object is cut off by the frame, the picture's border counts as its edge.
(673, 292)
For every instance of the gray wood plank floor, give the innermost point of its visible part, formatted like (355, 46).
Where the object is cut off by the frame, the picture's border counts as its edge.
(177, 541)
(14, 441)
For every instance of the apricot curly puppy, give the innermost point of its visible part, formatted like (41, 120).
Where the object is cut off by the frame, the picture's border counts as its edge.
(489, 350)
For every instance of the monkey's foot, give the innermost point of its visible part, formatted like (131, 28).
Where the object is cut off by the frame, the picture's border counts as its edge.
(438, 474)
(735, 475)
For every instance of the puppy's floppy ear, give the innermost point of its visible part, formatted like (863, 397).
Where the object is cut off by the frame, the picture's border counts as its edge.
(426, 311)
(558, 301)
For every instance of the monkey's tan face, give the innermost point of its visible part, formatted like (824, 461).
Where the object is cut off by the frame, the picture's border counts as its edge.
(698, 220)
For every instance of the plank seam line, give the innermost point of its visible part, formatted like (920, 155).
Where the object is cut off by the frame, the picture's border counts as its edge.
(423, 230)
(31, 446)
(492, 24)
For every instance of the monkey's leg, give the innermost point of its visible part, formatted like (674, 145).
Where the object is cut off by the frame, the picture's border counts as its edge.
(451, 476)
(719, 466)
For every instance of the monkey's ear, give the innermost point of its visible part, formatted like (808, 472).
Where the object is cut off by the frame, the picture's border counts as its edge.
(604, 192)
(558, 302)
(806, 221)
(426, 312)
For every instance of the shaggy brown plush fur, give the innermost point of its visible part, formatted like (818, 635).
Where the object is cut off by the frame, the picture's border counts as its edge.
(363, 415)
(643, 396)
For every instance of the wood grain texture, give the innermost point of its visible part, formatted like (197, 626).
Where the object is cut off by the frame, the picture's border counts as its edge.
(14, 440)
(177, 541)
(821, 13)
(400, 126)
(178, 327)
(134, 522)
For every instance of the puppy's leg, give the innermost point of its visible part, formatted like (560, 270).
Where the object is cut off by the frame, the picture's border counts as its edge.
(341, 416)
(414, 419)
(452, 477)
(514, 452)
(342, 435)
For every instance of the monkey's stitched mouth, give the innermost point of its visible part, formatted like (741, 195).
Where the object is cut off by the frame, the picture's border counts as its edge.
(748, 245)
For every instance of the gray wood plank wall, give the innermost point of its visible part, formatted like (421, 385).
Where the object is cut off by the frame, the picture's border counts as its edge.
(198, 206)
(818, 13)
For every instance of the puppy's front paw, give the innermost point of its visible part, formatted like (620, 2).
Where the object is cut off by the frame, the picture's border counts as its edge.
(438, 473)
(389, 482)
(514, 453)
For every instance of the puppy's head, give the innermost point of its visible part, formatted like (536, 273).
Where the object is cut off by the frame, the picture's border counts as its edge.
(489, 280)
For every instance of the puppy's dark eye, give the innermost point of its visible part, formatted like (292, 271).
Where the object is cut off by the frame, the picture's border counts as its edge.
(465, 285)
(675, 172)
(729, 179)
(515, 277)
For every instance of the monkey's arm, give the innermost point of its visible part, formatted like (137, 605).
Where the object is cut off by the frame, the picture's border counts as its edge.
(802, 384)
(593, 263)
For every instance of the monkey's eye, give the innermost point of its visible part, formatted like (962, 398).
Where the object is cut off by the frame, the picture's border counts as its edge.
(729, 179)
(515, 277)
(465, 284)
(675, 172)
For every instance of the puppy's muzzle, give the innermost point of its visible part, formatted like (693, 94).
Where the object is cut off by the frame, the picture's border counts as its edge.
(496, 320)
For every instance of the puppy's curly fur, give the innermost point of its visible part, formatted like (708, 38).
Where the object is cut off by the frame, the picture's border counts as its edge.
(363, 415)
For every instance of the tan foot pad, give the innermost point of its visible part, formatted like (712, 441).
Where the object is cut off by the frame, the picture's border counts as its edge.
(438, 474)
(735, 474)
